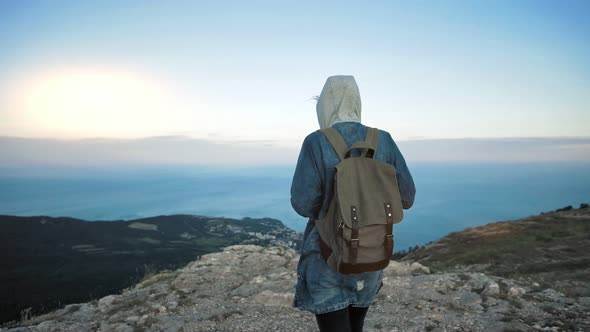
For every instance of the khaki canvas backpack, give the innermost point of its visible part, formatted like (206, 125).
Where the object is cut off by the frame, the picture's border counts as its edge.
(356, 234)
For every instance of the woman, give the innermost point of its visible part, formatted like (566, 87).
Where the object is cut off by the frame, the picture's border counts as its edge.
(339, 301)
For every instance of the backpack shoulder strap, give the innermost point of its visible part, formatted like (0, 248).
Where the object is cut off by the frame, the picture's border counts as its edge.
(336, 140)
(373, 137)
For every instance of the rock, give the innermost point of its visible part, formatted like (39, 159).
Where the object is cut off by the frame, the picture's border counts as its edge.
(584, 301)
(270, 298)
(443, 285)
(258, 280)
(477, 281)
(417, 268)
(470, 299)
(394, 268)
(105, 327)
(516, 291)
(490, 301)
(172, 305)
(247, 248)
(105, 304)
(275, 251)
(143, 319)
(245, 290)
(491, 289)
(46, 326)
(159, 308)
(405, 268)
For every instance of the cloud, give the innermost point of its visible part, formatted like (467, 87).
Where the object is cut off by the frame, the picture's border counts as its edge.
(498, 149)
(155, 150)
(185, 151)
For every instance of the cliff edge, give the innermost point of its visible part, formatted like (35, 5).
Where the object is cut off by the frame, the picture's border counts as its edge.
(250, 288)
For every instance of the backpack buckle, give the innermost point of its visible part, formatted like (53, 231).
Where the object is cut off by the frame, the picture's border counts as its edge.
(388, 245)
(354, 243)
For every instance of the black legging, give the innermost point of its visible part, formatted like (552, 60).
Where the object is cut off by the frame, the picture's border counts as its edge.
(349, 319)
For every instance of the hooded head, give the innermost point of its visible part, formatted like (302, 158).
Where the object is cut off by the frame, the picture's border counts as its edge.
(339, 101)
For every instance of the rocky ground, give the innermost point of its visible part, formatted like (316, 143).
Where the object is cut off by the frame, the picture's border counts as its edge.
(250, 288)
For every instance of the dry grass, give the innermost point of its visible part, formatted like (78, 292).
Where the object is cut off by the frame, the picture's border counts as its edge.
(152, 278)
(552, 249)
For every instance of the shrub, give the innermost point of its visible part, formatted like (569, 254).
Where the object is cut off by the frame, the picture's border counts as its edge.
(566, 208)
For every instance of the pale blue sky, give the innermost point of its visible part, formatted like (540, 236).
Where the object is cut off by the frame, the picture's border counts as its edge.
(244, 70)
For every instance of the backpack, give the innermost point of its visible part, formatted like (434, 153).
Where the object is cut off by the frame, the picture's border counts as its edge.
(356, 234)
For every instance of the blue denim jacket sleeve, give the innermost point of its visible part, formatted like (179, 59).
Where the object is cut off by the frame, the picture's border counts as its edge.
(307, 185)
(405, 182)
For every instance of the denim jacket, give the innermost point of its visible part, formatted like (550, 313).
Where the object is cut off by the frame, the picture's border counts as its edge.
(320, 289)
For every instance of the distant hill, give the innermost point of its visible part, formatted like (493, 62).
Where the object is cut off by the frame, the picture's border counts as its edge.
(48, 262)
(552, 249)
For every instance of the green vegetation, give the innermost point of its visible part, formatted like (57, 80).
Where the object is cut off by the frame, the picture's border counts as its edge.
(552, 249)
(50, 262)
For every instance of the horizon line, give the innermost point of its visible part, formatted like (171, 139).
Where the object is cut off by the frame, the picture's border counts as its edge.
(271, 140)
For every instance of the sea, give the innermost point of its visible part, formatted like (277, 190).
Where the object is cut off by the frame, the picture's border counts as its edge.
(449, 196)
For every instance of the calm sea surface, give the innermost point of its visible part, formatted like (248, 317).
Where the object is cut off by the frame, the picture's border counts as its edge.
(450, 197)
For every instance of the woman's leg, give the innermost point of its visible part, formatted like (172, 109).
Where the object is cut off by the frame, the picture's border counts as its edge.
(357, 318)
(334, 321)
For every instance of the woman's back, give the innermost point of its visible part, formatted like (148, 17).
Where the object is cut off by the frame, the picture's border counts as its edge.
(339, 301)
(311, 190)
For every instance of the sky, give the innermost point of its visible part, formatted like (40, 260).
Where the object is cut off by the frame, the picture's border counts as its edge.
(247, 71)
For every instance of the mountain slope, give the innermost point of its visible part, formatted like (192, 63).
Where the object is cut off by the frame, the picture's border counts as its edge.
(250, 288)
(47, 262)
(552, 249)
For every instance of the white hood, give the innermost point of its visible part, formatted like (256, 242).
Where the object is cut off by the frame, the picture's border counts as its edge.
(339, 101)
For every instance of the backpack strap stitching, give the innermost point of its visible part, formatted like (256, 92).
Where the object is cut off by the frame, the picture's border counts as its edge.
(336, 140)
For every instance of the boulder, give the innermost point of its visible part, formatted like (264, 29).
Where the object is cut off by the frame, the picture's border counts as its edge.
(491, 289)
